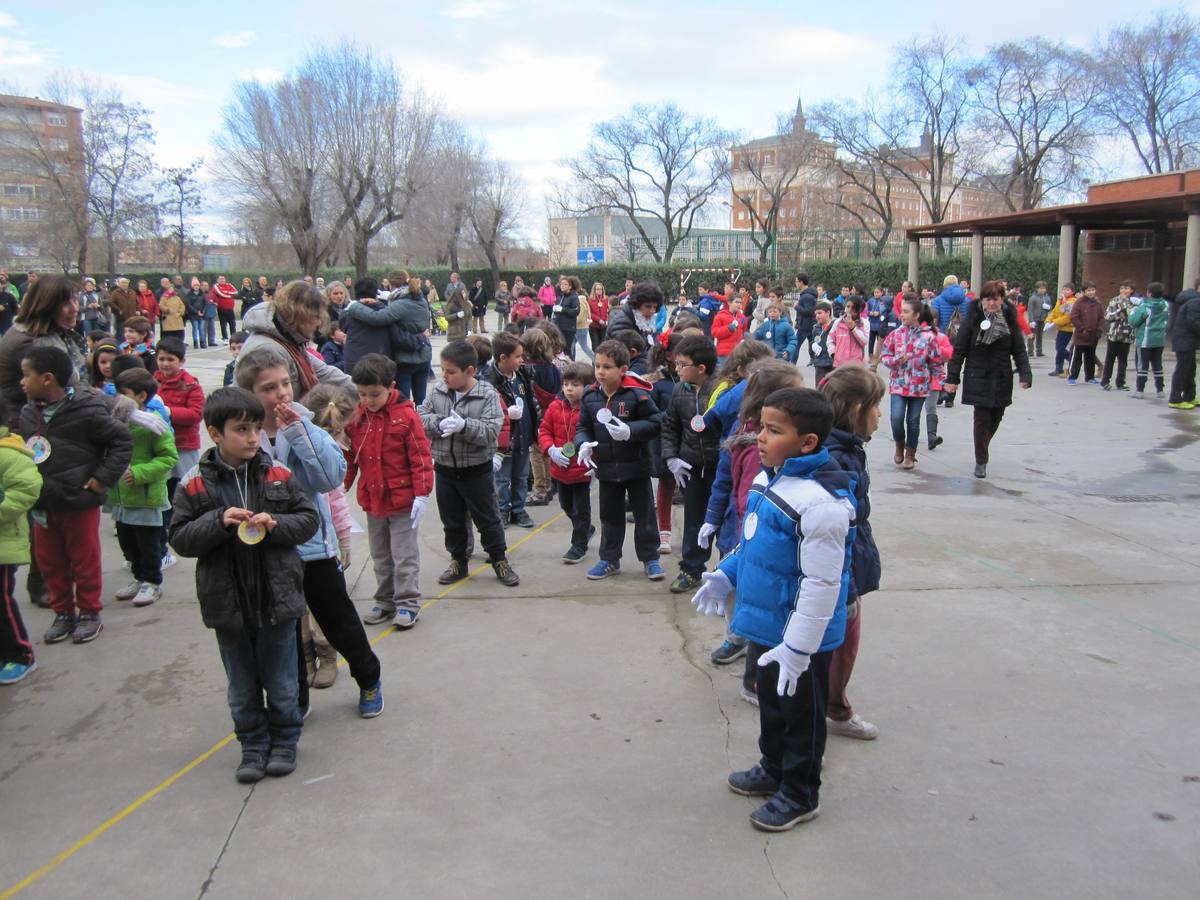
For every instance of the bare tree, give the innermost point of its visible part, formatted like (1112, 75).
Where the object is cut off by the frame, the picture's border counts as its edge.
(657, 162)
(182, 192)
(764, 178)
(1151, 89)
(865, 178)
(1035, 107)
(496, 204)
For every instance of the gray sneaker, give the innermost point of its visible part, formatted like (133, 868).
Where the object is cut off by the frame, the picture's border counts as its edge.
(87, 626)
(378, 615)
(60, 629)
(147, 594)
(129, 591)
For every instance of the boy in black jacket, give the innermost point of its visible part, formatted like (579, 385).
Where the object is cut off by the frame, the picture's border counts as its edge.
(617, 422)
(691, 450)
(242, 516)
(81, 452)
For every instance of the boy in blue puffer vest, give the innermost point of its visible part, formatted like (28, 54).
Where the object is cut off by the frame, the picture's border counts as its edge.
(791, 574)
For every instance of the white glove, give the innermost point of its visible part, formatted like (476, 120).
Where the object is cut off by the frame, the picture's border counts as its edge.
(452, 424)
(558, 307)
(704, 312)
(680, 469)
(558, 457)
(497, 462)
(715, 589)
(618, 430)
(584, 454)
(704, 538)
(148, 420)
(418, 510)
(460, 314)
(344, 552)
(517, 409)
(792, 664)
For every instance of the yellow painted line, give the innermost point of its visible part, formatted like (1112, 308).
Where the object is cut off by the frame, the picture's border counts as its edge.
(91, 836)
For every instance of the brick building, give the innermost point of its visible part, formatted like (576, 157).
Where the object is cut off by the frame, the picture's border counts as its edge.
(41, 181)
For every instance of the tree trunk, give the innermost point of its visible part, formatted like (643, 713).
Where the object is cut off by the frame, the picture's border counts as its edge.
(111, 241)
(360, 255)
(83, 248)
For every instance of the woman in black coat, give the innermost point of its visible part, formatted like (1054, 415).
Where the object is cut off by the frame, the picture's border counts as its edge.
(479, 305)
(989, 344)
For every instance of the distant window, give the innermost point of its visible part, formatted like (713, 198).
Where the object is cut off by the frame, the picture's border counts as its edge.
(59, 145)
(56, 120)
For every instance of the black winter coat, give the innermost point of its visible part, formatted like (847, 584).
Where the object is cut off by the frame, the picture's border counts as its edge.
(479, 302)
(806, 311)
(633, 405)
(661, 393)
(847, 452)
(496, 379)
(568, 320)
(194, 302)
(197, 530)
(1183, 321)
(988, 379)
(622, 319)
(700, 449)
(85, 442)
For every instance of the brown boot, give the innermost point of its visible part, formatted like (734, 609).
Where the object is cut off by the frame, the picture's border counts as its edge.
(899, 457)
(910, 458)
(327, 672)
(310, 661)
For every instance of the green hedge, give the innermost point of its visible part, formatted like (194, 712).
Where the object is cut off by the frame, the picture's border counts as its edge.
(1014, 265)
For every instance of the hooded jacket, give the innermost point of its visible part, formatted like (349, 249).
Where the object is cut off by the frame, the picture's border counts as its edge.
(1060, 315)
(364, 336)
(780, 336)
(265, 329)
(1184, 322)
(153, 458)
(21, 483)
(567, 318)
(1087, 317)
(85, 442)
(558, 428)
(197, 530)
(728, 329)
(1117, 316)
(390, 455)
(848, 453)
(527, 393)
(632, 404)
(700, 449)
(795, 552)
(411, 316)
(185, 398)
(1149, 322)
(476, 444)
(952, 299)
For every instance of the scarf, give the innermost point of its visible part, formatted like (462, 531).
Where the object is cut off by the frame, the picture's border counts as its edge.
(298, 355)
(644, 325)
(998, 329)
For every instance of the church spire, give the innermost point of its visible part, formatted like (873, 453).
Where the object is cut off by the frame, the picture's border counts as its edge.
(798, 121)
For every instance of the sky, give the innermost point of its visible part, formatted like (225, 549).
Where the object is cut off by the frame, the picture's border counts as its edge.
(529, 78)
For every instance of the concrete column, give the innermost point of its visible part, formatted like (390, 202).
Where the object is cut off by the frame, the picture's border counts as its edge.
(914, 265)
(1066, 254)
(976, 261)
(1191, 252)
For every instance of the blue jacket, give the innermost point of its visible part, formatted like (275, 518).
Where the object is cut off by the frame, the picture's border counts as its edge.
(708, 307)
(318, 466)
(847, 452)
(781, 337)
(794, 556)
(724, 413)
(952, 298)
(660, 319)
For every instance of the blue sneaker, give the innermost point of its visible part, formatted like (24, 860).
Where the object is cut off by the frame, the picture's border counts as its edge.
(1072, 381)
(370, 701)
(406, 618)
(1093, 381)
(603, 569)
(654, 570)
(11, 673)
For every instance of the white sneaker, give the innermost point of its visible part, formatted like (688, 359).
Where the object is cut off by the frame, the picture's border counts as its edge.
(169, 560)
(147, 594)
(128, 592)
(664, 543)
(749, 696)
(854, 727)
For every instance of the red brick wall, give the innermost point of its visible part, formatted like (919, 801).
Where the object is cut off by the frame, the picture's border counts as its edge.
(1143, 188)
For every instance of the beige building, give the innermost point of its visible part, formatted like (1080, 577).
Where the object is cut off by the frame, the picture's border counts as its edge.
(41, 181)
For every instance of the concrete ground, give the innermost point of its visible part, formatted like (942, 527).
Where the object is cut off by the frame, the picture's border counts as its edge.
(1032, 662)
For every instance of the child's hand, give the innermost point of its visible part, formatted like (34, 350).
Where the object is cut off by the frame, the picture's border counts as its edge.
(285, 415)
(263, 520)
(93, 485)
(792, 665)
(234, 515)
(128, 476)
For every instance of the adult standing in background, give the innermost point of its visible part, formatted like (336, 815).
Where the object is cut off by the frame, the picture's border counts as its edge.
(124, 303)
(599, 306)
(453, 285)
(248, 295)
(547, 296)
(479, 305)
(92, 307)
(806, 312)
(225, 294)
(1184, 328)
(503, 305)
(337, 298)
(194, 303)
(408, 309)
(10, 300)
(989, 344)
(147, 305)
(565, 313)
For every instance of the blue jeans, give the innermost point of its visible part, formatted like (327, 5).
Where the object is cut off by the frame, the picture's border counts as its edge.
(1062, 350)
(256, 661)
(512, 481)
(581, 341)
(412, 379)
(907, 411)
(198, 337)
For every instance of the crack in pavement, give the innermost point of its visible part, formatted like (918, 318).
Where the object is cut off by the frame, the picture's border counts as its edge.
(771, 866)
(683, 651)
(229, 837)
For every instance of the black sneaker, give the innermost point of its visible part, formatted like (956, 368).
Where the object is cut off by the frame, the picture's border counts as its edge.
(574, 555)
(457, 571)
(728, 652)
(252, 768)
(505, 573)
(505, 518)
(781, 814)
(753, 783)
(60, 629)
(535, 500)
(522, 520)
(684, 582)
(282, 761)
(935, 441)
(86, 628)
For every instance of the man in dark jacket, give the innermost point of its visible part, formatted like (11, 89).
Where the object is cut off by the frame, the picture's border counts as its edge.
(1184, 328)
(806, 311)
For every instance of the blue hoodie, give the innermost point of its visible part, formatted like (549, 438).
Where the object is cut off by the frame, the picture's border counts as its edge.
(952, 298)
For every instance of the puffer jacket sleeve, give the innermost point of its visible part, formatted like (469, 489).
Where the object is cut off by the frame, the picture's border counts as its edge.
(722, 489)
(430, 417)
(22, 484)
(671, 427)
(117, 445)
(792, 342)
(339, 511)
(648, 421)
(194, 531)
(318, 464)
(553, 422)
(160, 465)
(300, 522)
(420, 454)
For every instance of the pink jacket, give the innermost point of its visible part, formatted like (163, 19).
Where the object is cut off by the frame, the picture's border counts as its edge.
(848, 345)
(939, 370)
(912, 355)
(547, 296)
(340, 510)
(745, 466)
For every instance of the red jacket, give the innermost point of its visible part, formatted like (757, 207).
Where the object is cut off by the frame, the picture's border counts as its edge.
(558, 428)
(185, 398)
(391, 452)
(148, 306)
(726, 339)
(599, 307)
(225, 294)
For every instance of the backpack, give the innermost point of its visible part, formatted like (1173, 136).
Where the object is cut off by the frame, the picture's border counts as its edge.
(953, 325)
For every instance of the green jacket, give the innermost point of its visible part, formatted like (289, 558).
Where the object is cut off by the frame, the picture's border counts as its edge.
(154, 456)
(1149, 321)
(20, 485)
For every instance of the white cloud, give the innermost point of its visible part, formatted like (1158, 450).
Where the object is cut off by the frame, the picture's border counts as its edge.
(20, 53)
(264, 76)
(234, 40)
(477, 9)
(7, 21)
